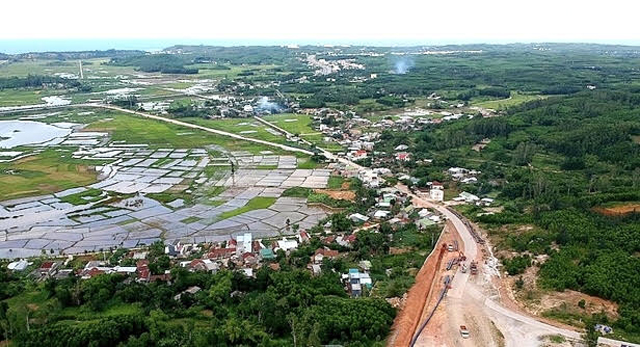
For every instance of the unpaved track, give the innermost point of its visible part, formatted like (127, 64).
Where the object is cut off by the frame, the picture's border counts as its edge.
(473, 301)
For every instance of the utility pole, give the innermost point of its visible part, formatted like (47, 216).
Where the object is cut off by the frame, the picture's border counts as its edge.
(233, 171)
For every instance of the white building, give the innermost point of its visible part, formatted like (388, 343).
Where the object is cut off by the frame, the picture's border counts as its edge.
(436, 194)
(20, 265)
(286, 244)
(245, 243)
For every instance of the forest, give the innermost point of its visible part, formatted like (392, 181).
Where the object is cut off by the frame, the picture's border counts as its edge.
(552, 163)
(164, 63)
(272, 309)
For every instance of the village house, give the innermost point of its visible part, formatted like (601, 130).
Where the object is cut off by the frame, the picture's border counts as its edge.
(18, 266)
(206, 265)
(403, 156)
(244, 244)
(347, 240)
(322, 253)
(191, 290)
(437, 191)
(467, 197)
(358, 218)
(356, 281)
(267, 254)
(48, 268)
(287, 245)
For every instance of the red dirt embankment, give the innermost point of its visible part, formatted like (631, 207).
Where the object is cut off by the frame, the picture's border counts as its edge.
(408, 319)
(618, 210)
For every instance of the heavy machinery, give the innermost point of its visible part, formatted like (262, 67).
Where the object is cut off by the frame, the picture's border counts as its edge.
(473, 268)
(464, 332)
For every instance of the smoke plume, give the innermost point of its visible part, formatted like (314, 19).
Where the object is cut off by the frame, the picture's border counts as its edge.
(402, 65)
(265, 105)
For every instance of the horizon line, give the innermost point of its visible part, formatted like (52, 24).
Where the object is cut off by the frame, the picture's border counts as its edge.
(23, 46)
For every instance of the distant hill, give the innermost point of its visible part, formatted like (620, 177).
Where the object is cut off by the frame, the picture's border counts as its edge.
(112, 53)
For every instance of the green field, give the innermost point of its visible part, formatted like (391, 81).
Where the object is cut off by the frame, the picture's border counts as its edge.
(515, 99)
(158, 134)
(237, 126)
(91, 67)
(212, 70)
(256, 203)
(21, 97)
(302, 125)
(44, 173)
(297, 124)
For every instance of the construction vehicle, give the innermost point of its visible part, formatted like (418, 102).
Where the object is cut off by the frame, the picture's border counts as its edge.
(474, 268)
(464, 332)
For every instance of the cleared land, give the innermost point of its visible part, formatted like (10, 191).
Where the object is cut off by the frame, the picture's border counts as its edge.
(618, 209)
(515, 99)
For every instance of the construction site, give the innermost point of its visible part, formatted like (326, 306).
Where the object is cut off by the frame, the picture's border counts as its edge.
(459, 299)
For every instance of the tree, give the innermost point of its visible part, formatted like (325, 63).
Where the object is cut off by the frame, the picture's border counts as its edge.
(340, 223)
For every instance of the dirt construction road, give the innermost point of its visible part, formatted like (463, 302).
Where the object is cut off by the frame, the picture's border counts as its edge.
(474, 301)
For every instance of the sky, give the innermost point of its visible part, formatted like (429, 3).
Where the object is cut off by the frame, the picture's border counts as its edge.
(328, 21)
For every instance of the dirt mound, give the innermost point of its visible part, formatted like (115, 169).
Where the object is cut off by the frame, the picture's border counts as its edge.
(618, 210)
(349, 195)
(410, 316)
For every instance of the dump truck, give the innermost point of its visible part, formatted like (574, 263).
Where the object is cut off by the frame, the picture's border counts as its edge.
(464, 332)
(474, 268)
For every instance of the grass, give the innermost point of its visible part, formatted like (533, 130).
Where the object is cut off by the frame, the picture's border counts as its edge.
(320, 198)
(256, 203)
(48, 172)
(237, 126)
(515, 99)
(82, 198)
(166, 198)
(190, 220)
(297, 192)
(157, 134)
(307, 163)
(21, 97)
(335, 182)
(303, 126)
(91, 67)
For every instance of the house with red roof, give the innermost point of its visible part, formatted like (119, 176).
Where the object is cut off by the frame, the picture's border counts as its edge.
(220, 253)
(403, 156)
(303, 237)
(322, 253)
